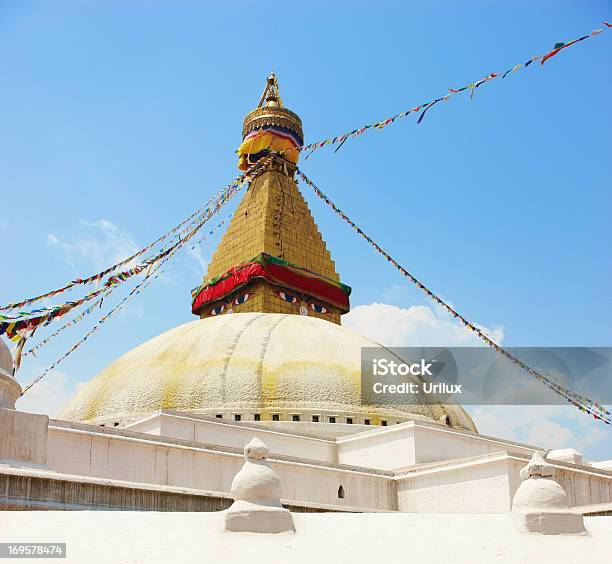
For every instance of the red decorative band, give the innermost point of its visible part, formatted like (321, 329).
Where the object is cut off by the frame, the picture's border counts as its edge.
(278, 272)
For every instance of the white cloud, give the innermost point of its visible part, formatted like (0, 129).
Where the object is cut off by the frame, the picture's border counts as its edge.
(550, 434)
(102, 243)
(49, 395)
(52, 240)
(594, 435)
(415, 326)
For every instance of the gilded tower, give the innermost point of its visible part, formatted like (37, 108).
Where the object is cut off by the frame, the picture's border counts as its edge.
(272, 258)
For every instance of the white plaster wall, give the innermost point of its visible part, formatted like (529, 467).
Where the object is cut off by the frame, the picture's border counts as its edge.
(383, 448)
(23, 437)
(323, 428)
(321, 485)
(483, 484)
(236, 436)
(89, 453)
(386, 448)
(150, 425)
(487, 484)
(433, 444)
(406, 444)
(473, 488)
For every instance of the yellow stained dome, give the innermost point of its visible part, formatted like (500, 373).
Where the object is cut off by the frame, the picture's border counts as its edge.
(275, 366)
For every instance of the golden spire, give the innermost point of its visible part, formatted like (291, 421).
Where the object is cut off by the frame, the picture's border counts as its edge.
(273, 225)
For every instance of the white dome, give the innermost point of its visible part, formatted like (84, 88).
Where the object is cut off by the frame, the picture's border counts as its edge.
(267, 363)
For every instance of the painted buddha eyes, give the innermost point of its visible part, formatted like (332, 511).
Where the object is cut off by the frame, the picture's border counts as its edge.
(219, 309)
(226, 307)
(288, 297)
(242, 299)
(318, 308)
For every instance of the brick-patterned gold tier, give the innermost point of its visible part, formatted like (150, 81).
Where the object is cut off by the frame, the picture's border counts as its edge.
(273, 218)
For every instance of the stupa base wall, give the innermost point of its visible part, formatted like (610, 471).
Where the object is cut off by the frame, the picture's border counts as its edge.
(27, 490)
(23, 438)
(119, 454)
(187, 463)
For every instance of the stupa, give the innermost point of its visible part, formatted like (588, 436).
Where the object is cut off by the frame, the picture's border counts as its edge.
(253, 413)
(269, 346)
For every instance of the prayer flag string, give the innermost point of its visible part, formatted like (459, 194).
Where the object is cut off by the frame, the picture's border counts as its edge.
(424, 107)
(150, 277)
(25, 324)
(582, 402)
(21, 330)
(98, 302)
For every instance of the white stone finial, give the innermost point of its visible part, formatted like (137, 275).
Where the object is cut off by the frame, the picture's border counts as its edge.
(537, 466)
(256, 450)
(540, 503)
(256, 490)
(10, 390)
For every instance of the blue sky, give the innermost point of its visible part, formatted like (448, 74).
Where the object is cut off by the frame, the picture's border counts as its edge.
(120, 118)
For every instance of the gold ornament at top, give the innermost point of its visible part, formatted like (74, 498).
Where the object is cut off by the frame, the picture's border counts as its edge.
(271, 111)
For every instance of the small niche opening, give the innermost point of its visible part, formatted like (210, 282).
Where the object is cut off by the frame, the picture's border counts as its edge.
(341, 492)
